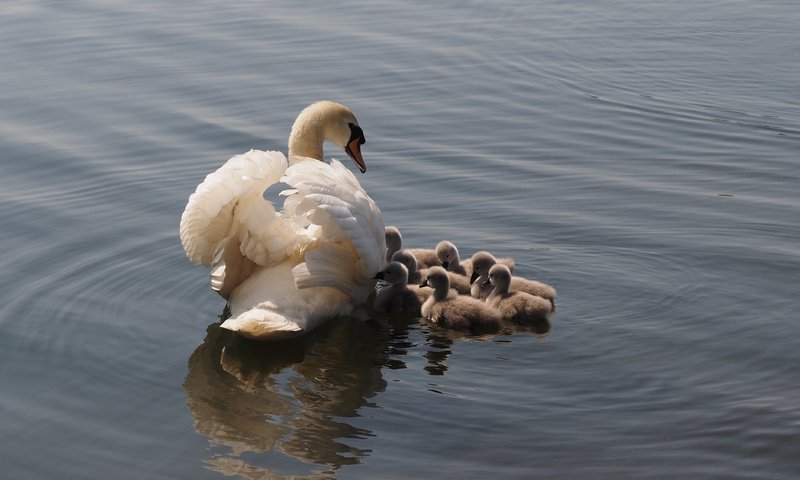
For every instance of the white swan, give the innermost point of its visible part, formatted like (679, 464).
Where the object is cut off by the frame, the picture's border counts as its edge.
(286, 272)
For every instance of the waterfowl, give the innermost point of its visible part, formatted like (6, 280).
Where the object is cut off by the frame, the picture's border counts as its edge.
(458, 282)
(447, 253)
(483, 261)
(410, 261)
(286, 272)
(514, 306)
(397, 297)
(449, 309)
(394, 241)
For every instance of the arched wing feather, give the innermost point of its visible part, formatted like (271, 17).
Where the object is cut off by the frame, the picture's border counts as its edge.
(229, 208)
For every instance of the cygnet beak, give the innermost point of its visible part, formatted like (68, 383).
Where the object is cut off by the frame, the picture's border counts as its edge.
(378, 276)
(473, 277)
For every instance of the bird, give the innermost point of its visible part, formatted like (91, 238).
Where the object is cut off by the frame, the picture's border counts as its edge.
(514, 306)
(445, 307)
(483, 261)
(285, 272)
(397, 297)
(415, 276)
(447, 254)
(426, 257)
(405, 257)
(458, 282)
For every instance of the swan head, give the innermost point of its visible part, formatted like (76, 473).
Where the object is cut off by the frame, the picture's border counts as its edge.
(481, 263)
(447, 253)
(327, 121)
(395, 273)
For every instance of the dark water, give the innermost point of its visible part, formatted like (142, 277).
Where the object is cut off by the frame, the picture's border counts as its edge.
(643, 159)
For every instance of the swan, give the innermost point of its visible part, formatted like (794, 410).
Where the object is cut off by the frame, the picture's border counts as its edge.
(397, 297)
(394, 242)
(286, 272)
(449, 309)
(514, 306)
(483, 261)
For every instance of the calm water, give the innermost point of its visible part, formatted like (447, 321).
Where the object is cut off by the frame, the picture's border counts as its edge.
(645, 160)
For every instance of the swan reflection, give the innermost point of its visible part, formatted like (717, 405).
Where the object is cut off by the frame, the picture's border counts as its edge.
(291, 408)
(293, 399)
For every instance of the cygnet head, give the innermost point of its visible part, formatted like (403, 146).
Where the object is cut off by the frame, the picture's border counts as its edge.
(500, 277)
(437, 278)
(447, 253)
(395, 273)
(481, 263)
(394, 241)
(406, 258)
(329, 121)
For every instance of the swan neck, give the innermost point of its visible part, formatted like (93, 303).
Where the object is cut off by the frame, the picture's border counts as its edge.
(306, 139)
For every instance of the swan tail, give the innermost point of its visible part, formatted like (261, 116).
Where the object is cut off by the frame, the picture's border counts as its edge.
(230, 203)
(263, 324)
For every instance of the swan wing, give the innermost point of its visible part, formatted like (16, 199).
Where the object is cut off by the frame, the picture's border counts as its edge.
(228, 211)
(344, 224)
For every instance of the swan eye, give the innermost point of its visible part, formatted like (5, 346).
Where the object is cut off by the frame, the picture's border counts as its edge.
(356, 133)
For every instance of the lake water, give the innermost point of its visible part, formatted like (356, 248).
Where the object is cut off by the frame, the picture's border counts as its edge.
(644, 159)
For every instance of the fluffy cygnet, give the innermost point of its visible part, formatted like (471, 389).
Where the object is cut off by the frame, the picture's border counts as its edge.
(514, 306)
(459, 283)
(447, 253)
(394, 241)
(414, 276)
(397, 297)
(449, 309)
(482, 262)
(410, 261)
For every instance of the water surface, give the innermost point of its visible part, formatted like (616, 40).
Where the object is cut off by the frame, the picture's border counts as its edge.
(642, 159)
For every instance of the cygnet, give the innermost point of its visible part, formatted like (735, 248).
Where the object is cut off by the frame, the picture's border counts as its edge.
(449, 309)
(397, 297)
(514, 306)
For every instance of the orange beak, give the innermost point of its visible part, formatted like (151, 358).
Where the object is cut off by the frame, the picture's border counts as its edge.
(353, 150)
